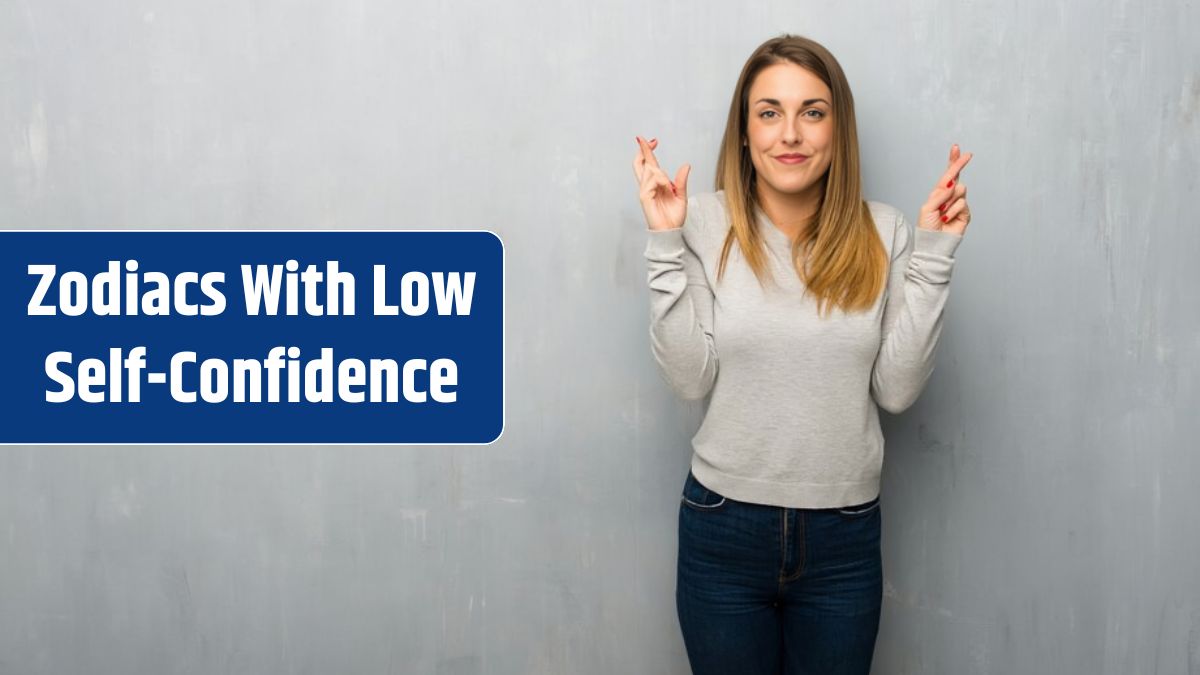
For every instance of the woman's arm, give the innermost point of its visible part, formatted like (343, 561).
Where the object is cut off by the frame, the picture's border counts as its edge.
(918, 287)
(681, 310)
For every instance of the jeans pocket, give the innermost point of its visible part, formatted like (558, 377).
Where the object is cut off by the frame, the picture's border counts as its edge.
(859, 510)
(698, 497)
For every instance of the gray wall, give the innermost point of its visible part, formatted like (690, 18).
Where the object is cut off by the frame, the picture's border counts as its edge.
(1041, 512)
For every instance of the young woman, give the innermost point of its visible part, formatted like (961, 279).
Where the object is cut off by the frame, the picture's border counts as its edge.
(799, 309)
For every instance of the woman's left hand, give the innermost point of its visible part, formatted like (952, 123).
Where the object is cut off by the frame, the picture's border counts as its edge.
(946, 209)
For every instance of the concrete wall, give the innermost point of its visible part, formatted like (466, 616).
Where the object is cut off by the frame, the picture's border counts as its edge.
(1041, 511)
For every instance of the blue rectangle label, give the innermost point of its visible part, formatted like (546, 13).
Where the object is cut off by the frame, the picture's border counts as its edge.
(288, 337)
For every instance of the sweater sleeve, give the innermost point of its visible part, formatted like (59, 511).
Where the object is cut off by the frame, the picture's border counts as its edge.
(681, 310)
(918, 287)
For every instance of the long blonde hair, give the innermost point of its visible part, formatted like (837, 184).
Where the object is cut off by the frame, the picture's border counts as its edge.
(839, 256)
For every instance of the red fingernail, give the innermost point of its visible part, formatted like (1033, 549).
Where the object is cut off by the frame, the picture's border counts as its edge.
(950, 184)
(945, 219)
(942, 207)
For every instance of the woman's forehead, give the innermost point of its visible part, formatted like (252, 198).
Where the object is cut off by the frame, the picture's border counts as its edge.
(787, 83)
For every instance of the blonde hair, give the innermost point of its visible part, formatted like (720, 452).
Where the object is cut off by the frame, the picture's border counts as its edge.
(839, 255)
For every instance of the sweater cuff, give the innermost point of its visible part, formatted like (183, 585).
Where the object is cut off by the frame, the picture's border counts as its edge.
(936, 242)
(664, 243)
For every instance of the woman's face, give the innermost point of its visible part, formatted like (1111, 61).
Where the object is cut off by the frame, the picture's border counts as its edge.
(790, 112)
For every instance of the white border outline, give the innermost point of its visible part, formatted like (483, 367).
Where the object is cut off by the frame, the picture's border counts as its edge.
(503, 339)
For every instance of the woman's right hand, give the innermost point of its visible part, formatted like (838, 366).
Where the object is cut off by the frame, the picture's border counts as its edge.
(664, 203)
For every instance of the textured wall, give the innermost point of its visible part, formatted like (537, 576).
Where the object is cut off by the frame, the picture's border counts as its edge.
(1041, 510)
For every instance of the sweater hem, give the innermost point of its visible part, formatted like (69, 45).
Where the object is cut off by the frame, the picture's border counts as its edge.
(791, 495)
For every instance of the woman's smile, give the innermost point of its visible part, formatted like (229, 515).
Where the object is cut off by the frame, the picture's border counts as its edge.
(791, 159)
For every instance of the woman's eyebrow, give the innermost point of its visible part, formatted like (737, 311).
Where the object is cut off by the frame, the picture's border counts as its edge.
(803, 103)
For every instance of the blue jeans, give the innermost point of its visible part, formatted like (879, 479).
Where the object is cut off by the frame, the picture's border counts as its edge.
(769, 590)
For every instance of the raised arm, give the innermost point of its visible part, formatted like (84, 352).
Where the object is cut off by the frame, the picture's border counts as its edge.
(918, 288)
(681, 312)
(681, 302)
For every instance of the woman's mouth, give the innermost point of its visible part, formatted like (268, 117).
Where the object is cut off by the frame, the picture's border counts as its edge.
(791, 159)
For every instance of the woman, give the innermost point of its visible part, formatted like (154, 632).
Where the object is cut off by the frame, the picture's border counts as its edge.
(799, 309)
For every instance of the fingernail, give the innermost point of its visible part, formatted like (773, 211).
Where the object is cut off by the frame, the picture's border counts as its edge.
(945, 219)
(950, 184)
(942, 207)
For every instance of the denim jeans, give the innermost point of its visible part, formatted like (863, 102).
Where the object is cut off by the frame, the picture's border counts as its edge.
(764, 590)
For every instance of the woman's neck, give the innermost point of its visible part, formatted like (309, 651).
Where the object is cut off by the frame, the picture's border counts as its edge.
(791, 212)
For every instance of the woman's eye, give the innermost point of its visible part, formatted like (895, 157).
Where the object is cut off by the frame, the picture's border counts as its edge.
(819, 114)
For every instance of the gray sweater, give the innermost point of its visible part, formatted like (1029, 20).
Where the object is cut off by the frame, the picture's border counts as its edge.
(792, 417)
